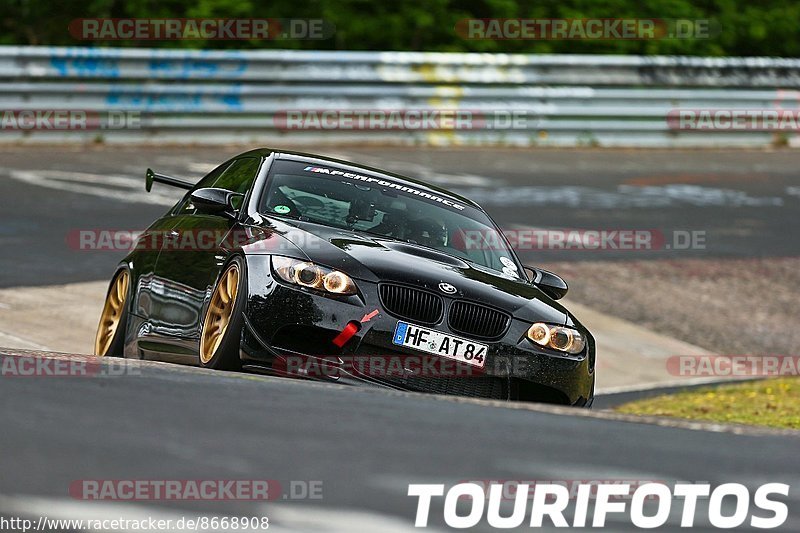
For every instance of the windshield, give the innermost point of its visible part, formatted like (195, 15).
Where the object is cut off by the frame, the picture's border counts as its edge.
(377, 205)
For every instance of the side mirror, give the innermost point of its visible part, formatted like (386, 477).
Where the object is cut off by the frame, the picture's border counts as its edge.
(214, 201)
(551, 284)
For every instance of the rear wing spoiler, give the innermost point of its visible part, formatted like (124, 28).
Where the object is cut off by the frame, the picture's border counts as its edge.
(150, 177)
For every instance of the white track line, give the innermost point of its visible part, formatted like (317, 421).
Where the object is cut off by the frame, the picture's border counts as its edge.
(26, 344)
(122, 188)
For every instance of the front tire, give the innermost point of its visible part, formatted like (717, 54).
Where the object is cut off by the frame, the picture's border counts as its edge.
(220, 335)
(109, 341)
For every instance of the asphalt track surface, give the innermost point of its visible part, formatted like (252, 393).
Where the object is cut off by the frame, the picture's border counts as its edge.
(364, 445)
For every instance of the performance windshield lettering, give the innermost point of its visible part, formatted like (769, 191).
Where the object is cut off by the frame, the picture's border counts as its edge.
(385, 183)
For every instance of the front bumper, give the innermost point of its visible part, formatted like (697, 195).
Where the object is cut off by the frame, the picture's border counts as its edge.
(290, 331)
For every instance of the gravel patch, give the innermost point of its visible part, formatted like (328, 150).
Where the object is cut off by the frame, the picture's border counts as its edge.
(728, 306)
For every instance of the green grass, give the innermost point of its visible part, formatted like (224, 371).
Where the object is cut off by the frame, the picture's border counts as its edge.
(773, 403)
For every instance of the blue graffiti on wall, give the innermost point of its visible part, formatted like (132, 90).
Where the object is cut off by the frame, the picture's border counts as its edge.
(191, 100)
(106, 63)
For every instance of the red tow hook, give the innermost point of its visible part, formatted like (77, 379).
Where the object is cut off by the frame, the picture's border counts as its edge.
(352, 328)
(347, 333)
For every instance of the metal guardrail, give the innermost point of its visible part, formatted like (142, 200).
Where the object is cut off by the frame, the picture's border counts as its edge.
(235, 96)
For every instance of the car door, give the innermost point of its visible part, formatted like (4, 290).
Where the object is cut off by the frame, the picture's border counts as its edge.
(149, 247)
(190, 261)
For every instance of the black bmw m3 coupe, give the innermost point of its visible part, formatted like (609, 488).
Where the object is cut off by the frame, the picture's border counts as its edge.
(306, 266)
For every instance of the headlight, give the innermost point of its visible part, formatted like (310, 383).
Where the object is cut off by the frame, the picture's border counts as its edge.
(558, 338)
(313, 276)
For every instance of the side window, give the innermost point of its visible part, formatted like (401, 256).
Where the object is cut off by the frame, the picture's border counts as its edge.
(235, 176)
(239, 177)
(212, 177)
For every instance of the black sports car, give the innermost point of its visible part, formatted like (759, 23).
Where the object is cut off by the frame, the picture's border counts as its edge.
(306, 266)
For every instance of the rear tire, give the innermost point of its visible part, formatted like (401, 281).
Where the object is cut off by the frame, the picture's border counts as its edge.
(220, 335)
(109, 341)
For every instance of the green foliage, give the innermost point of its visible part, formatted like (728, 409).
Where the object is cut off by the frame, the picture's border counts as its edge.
(763, 27)
(771, 402)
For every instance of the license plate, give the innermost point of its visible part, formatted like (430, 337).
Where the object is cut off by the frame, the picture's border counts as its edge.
(438, 343)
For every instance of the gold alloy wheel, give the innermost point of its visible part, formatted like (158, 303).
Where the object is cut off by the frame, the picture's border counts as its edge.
(112, 313)
(218, 315)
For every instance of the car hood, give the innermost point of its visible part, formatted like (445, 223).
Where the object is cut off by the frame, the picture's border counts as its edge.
(376, 259)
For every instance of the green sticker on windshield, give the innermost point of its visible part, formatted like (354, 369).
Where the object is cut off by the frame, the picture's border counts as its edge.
(282, 209)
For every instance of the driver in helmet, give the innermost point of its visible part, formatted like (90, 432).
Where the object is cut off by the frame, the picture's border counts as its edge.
(430, 232)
